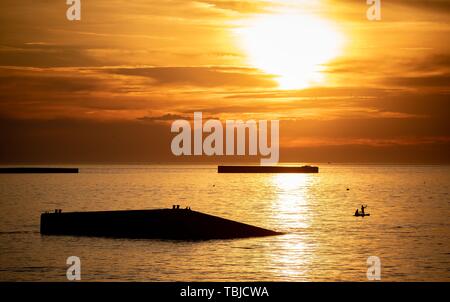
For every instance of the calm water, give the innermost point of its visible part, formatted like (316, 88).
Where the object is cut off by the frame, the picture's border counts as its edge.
(409, 226)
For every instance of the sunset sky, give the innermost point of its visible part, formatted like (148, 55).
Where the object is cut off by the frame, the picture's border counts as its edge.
(106, 88)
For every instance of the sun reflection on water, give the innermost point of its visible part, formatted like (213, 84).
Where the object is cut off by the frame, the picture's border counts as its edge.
(291, 205)
(291, 209)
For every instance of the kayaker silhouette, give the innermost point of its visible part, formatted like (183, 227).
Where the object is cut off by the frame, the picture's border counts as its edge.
(362, 209)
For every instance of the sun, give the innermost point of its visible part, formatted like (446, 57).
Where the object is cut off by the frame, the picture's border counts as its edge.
(293, 47)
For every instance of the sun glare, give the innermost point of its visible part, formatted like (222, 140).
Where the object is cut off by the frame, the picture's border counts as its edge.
(293, 47)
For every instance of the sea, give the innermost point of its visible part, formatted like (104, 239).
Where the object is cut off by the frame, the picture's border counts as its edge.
(408, 229)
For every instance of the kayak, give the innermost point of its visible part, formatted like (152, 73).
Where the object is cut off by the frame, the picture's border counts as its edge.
(361, 215)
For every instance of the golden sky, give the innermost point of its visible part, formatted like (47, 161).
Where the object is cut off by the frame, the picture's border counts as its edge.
(107, 87)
